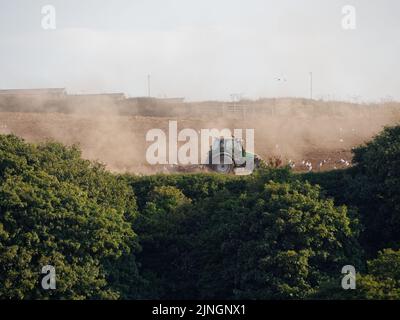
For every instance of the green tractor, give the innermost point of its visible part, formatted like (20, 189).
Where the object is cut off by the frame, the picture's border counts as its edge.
(228, 155)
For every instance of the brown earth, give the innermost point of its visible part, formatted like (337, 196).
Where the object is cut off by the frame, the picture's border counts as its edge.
(119, 141)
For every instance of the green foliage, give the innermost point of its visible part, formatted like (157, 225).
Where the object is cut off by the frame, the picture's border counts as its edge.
(378, 162)
(372, 188)
(383, 278)
(275, 241)
(161, 238)
(380, 282)
(271, 235)
(58, 209)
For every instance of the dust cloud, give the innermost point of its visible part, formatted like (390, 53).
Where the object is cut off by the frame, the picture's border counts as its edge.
(304, 133)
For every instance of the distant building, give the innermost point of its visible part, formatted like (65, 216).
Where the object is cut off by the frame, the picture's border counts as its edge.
(47, 93)
(142, 100)
(153, 101)
(97, 98)
(113, 96)
(172, 100)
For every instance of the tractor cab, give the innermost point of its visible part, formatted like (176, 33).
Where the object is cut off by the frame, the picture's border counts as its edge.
(232, 146)
(227, 154)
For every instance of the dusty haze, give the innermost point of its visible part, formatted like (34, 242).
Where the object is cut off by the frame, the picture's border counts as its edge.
(298, 130)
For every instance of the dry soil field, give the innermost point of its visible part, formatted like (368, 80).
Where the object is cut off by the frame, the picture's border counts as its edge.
(322, 142)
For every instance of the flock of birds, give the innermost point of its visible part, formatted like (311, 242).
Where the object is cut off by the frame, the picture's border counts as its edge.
(308, 166)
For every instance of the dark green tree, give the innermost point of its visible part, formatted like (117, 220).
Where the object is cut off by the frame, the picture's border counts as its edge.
(378, 196)
(58, 209)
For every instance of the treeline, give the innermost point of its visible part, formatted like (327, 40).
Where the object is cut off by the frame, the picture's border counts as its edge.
(271, 235)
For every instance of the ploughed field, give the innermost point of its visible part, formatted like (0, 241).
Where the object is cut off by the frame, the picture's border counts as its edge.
(307, 143)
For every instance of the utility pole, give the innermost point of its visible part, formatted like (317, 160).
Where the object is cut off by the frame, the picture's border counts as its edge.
(148, 86)
(311, 85)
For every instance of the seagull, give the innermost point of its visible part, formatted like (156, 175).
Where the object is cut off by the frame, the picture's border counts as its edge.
(281, 79)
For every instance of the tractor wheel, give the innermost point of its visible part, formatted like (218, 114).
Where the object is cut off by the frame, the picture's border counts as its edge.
(223, 167)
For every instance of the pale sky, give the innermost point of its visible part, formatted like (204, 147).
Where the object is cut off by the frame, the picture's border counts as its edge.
(204, 49)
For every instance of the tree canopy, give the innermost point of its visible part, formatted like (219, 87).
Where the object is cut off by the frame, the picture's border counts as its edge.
(272, 235)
